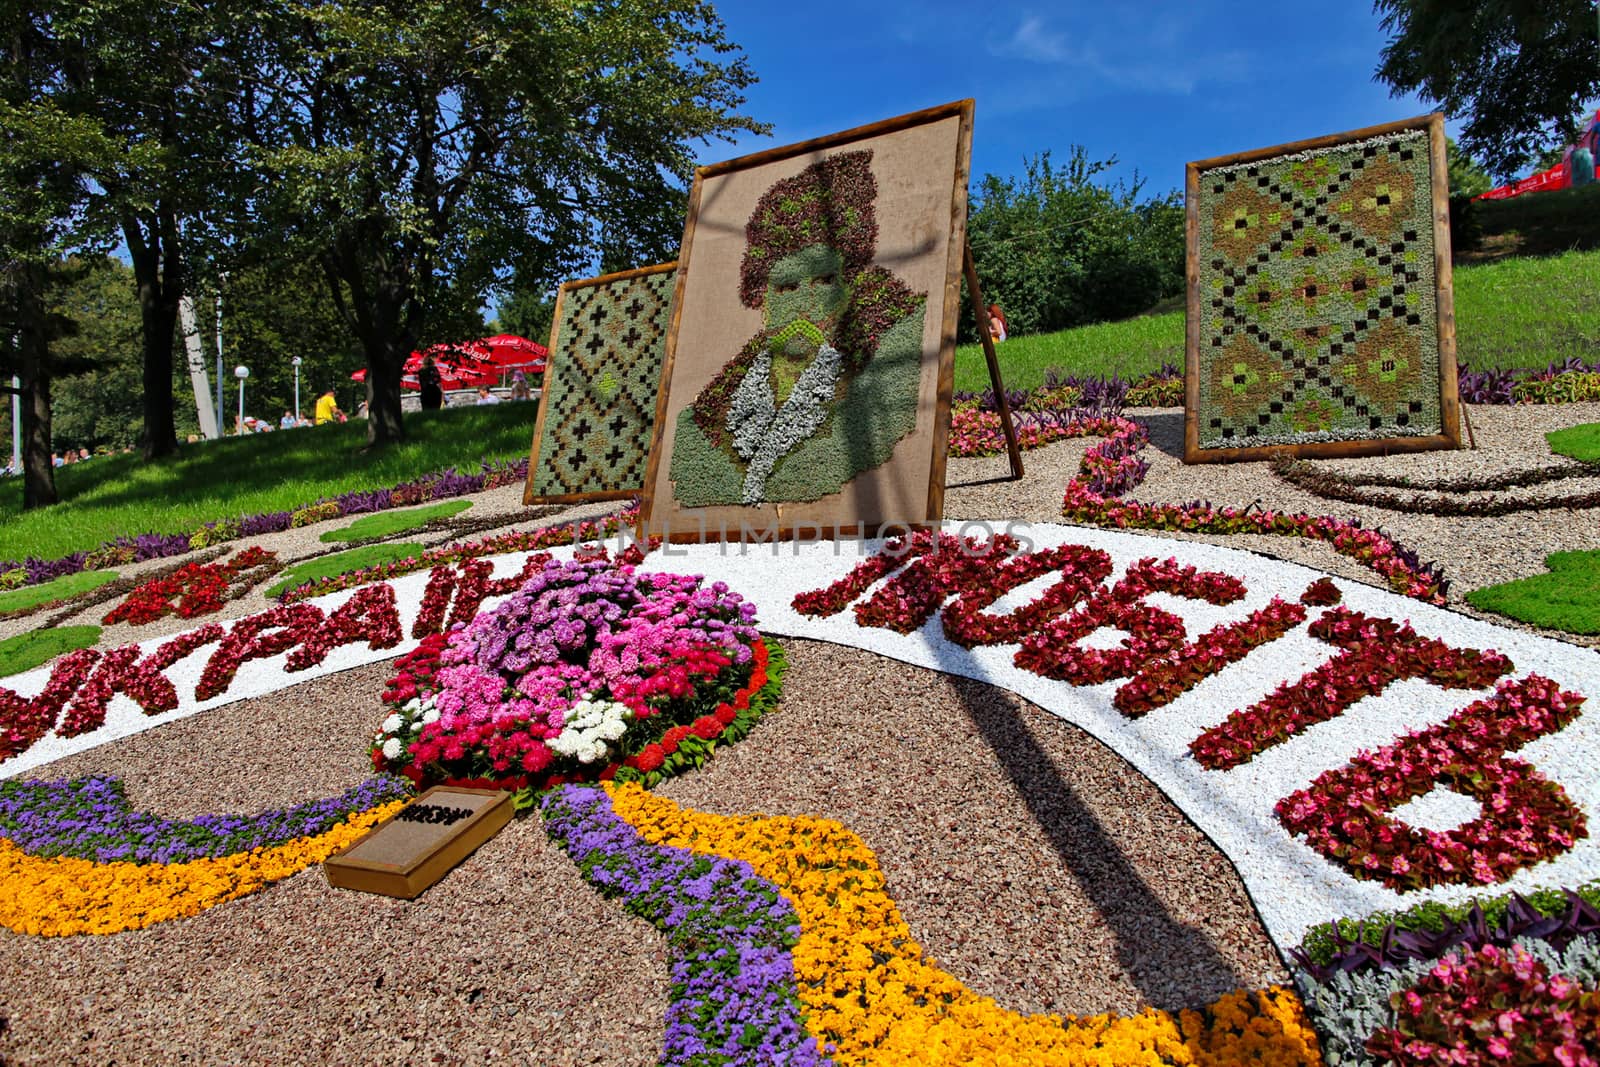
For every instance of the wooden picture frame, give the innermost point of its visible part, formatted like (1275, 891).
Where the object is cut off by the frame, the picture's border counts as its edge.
(731, 315)
(1216, 297)
(634, 314)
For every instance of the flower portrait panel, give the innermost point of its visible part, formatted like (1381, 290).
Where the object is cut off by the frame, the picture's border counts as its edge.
(808, 371)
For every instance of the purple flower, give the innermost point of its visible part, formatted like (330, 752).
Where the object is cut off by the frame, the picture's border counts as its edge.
(734, 994)
(89, 818)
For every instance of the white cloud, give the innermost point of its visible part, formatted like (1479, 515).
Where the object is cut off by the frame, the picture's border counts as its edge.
(1032, 41)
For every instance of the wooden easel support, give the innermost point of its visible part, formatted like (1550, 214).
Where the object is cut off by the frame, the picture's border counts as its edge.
(1002, 403)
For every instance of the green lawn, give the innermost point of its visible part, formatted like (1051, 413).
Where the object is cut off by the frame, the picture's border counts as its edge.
(236, 476)
(26, 651)
(389, 523)
(1579, 442)
(1131, 348)
(343, 563)
(1515, 313)
(1567, 598)
(1521, 313)
(55, 589)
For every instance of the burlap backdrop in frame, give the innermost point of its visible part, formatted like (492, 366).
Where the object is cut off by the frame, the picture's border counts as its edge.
(1320, 318)
(597, 409)
(919, 165)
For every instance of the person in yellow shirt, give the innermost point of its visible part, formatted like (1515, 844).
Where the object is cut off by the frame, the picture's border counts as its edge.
(328, 409)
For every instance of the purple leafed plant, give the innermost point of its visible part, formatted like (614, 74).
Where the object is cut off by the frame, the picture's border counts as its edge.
(453, 483)
(734, 995)
(265, 523)
(1397, 946)
(45, 570)
(362, 501)
(1485, 386)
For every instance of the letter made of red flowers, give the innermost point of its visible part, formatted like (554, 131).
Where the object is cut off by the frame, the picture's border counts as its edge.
(370, 615)
(1155, 656)
(257, 637)
(1375, 653)
(1153, 633)
(932, 569)
(24, 720)
(1525, 819)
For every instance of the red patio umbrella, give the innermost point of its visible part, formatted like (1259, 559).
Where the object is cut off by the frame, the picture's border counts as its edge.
(467, 364)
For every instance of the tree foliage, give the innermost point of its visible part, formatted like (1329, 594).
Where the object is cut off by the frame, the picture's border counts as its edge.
(418, 151)
(47, 153)
(527, 310)
(1467, 178)
(1056, 249)
(1516, 70)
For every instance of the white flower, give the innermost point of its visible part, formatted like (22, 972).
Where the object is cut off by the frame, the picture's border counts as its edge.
(391, 724)
(431, 715)
(764, 438)
(392, 748)
(589, 725)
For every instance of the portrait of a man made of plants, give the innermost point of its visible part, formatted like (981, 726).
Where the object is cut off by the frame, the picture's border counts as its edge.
(1316, 297)
(592, 437)
(811, 333)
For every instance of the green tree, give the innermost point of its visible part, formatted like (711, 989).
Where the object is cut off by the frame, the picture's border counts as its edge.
(47, 151)
(161, 81)
(1466, 177)
(1056, 249)
(419, 151)
(272, 311)
(1517, 70)
(528, 310)
(100, 408)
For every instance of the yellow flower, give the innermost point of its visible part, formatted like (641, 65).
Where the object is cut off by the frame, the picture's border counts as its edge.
(869, 991)
(62, 895)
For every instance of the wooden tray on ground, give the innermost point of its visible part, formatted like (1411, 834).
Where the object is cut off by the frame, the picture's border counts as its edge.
(420, 843)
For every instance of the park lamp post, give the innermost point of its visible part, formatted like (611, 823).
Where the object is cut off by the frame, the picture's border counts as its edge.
(295, 362)
(241, 373)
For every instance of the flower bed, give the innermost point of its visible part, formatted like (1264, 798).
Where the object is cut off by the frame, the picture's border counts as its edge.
(531, 541)
(587, 670)
(1109, 470)
(866, 992)
(75, 859)
(1558, 383)
(195, 589)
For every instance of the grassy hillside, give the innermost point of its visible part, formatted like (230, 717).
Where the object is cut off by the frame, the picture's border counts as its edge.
(1511, 313)
(116, 495)
(1540, 224)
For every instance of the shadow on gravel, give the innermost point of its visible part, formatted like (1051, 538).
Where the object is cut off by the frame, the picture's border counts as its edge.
(1166, 432)
(1152, 946)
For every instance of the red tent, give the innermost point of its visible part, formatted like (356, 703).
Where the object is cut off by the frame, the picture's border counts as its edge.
(468, 364)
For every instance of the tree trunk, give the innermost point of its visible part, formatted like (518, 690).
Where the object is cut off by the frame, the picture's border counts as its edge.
(158, 274)
(384, 368)
(33, 352)
(374, 316)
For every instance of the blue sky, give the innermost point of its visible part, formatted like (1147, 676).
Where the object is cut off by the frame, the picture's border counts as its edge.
(1154, 83)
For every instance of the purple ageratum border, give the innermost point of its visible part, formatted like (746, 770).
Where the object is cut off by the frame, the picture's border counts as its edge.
(90, 819)
(735, 998)
(435, 485)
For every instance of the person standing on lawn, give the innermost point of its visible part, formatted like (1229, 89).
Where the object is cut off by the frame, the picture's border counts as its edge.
(429, 385)
(328, 409)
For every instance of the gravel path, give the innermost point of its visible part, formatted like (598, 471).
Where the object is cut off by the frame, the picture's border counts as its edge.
(1029, 860)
